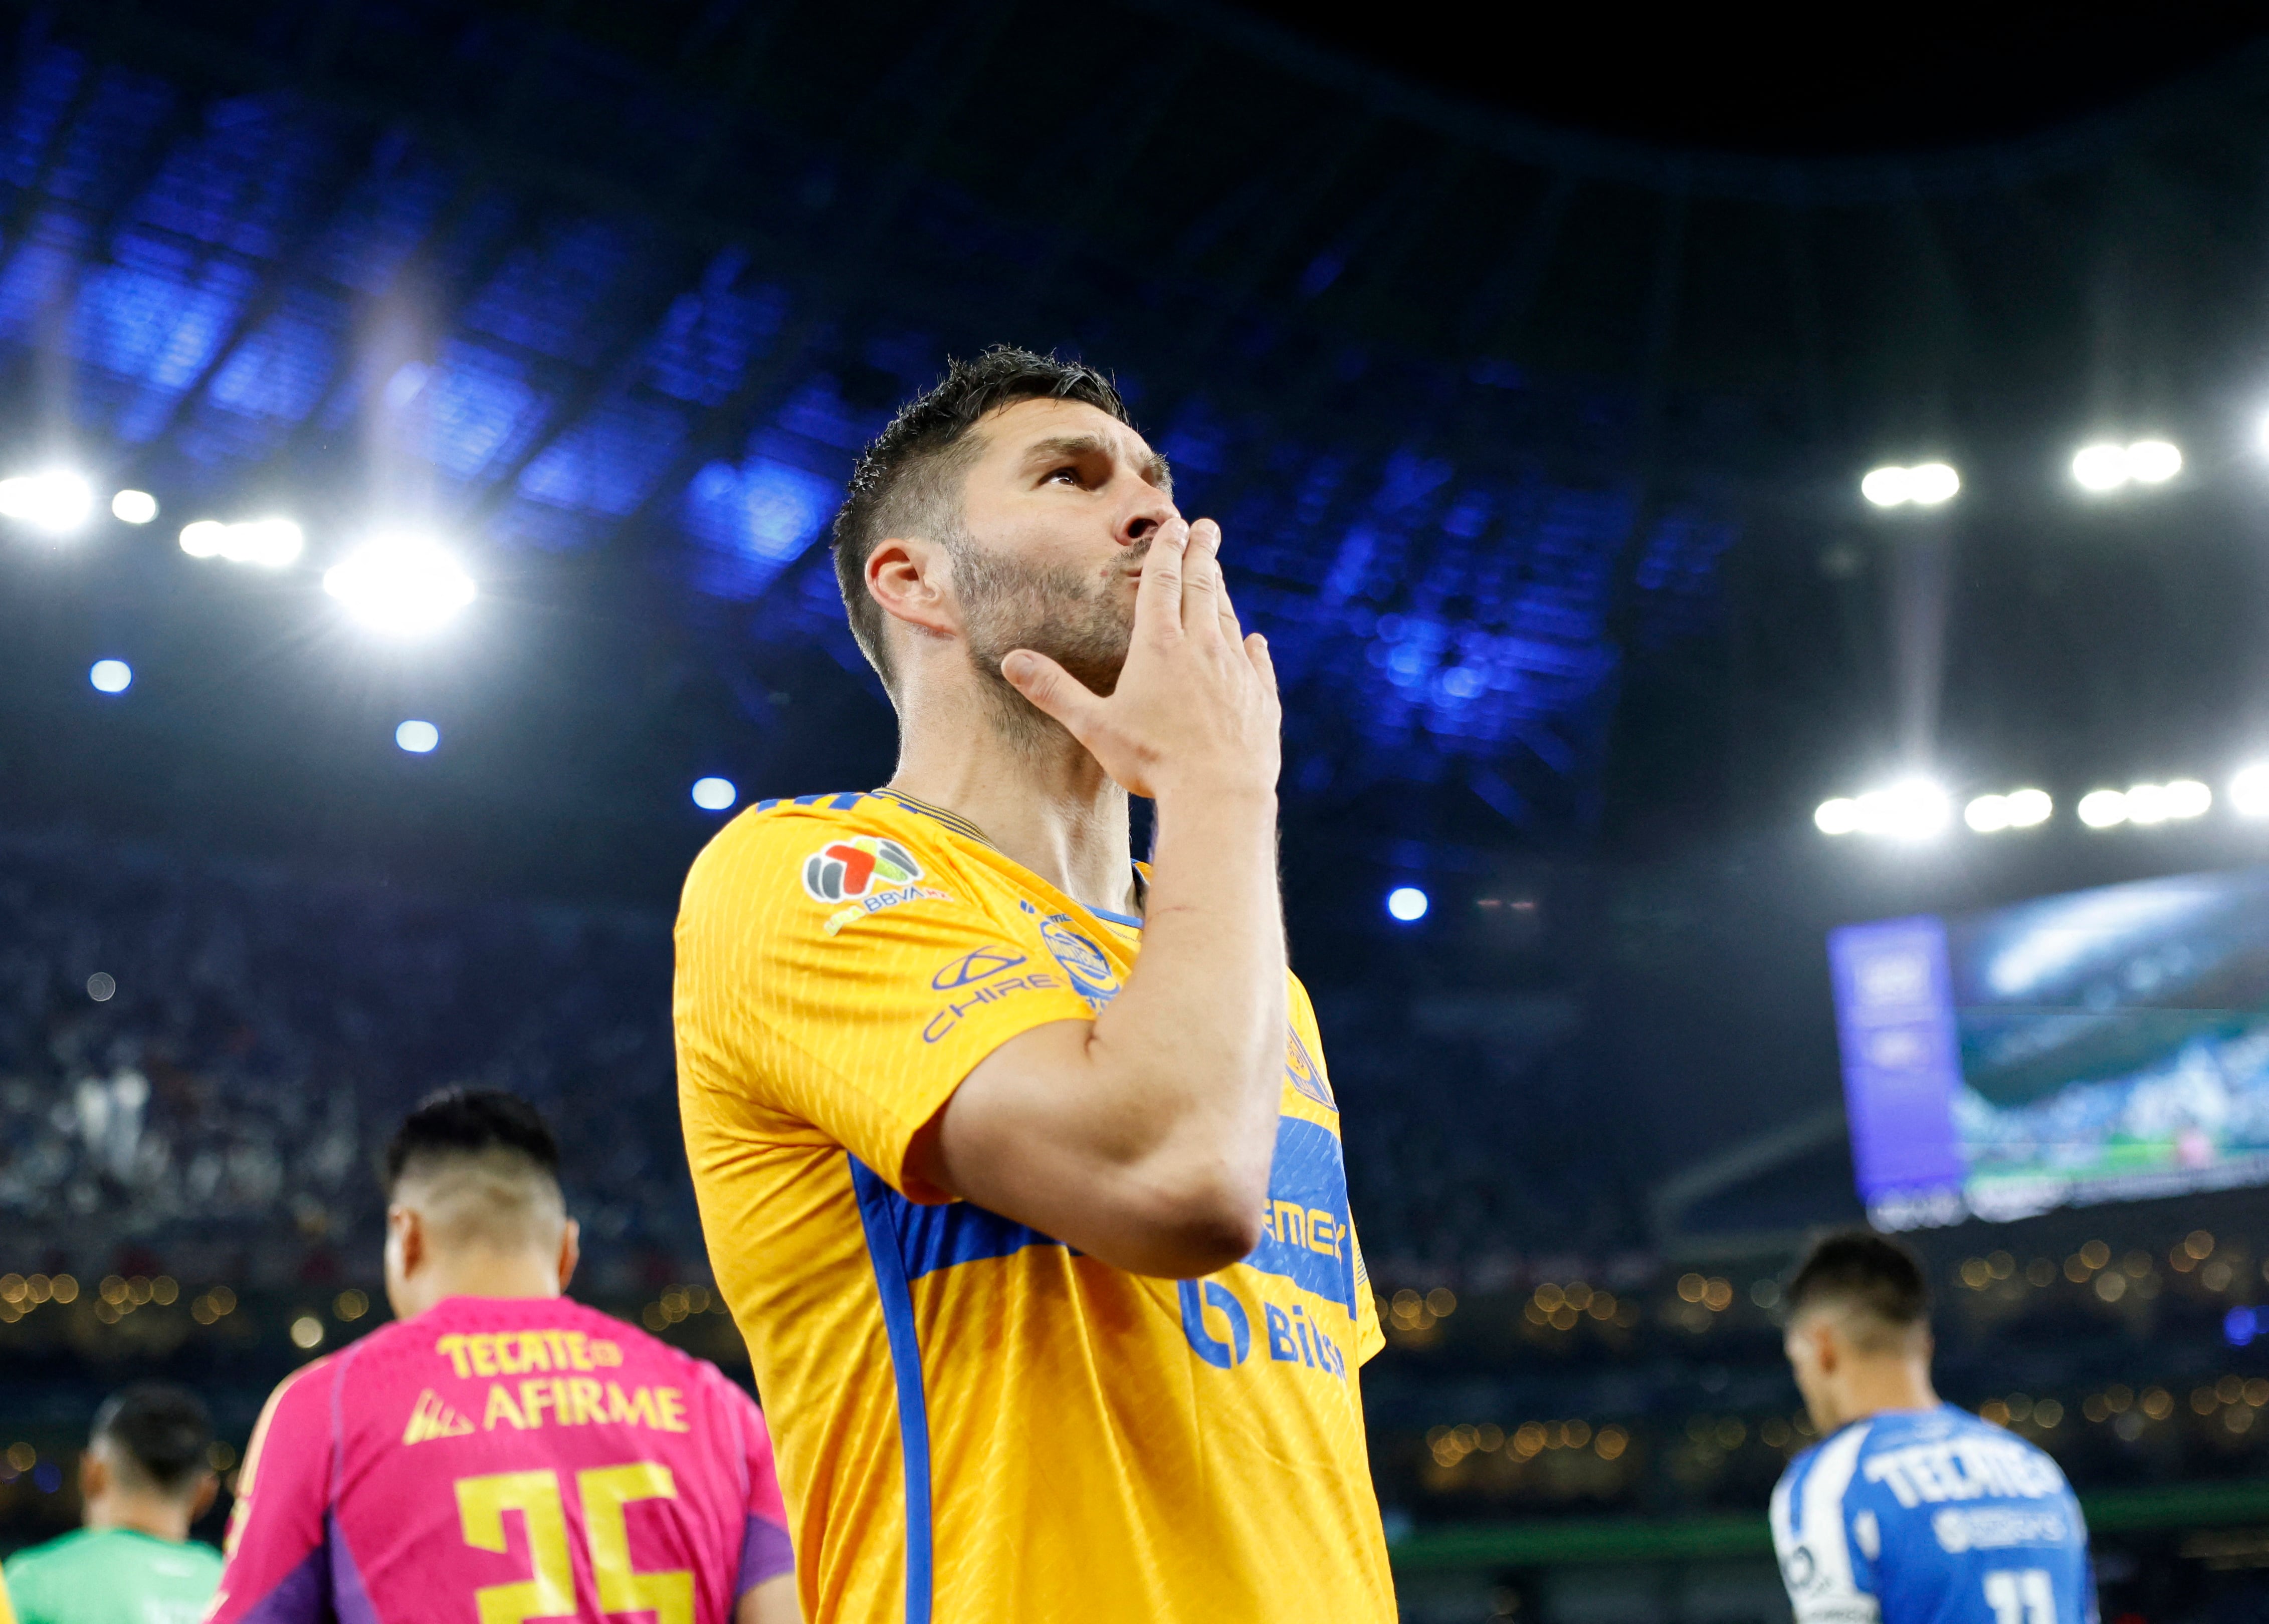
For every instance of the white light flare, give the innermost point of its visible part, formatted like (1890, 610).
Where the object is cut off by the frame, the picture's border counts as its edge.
(418, 738)
(2100, 467)
(402, 585)
(110, 676)
(2029, 809)
(134, 507)
(2176, 800)
(2249, 790)
(1886, 487)
(57, 502)
(2106, 467)
(270, 542)
(1932, 483)
(1988, 814)
(1924, 485)
(2153, 462)
(714, 794)
(1913, 810)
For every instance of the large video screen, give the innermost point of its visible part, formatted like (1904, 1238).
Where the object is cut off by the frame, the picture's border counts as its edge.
(2104, 1046)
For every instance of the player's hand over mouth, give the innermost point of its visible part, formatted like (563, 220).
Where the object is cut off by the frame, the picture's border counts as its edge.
(1196, 712)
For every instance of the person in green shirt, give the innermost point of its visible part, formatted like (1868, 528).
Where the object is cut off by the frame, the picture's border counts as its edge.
(144, 1480)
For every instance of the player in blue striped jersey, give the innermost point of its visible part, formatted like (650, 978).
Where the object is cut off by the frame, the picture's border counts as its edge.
(1909, 1511)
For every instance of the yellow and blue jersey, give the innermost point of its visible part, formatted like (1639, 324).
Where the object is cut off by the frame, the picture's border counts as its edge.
(973, 1422)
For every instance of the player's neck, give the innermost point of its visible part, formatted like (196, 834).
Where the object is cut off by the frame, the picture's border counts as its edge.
(1040, 799)
(153, 1515)
(480, 1274)
(1877, 1386)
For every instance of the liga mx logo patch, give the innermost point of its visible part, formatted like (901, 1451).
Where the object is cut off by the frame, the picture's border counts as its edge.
(845, 870)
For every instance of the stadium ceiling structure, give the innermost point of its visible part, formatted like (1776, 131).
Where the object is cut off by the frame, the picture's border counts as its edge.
(1486, 404)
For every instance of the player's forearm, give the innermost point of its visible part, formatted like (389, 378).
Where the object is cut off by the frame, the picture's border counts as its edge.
(1194, 1046)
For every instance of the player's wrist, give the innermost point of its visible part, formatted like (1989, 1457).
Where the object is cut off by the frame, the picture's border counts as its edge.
(1216, 798)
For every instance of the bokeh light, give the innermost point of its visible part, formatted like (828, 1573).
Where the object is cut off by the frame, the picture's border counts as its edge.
(134, 506)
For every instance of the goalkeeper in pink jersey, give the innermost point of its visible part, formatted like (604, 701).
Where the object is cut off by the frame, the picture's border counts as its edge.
(500, 1453)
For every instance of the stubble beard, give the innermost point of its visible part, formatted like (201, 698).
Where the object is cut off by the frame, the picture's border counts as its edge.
(1080, 621)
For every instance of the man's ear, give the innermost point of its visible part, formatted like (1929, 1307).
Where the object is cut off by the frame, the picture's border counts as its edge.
(1827, 1345)
(200, 1503)
(571, 1251)
(913, 580)
(409, 1228)
(93, 1475)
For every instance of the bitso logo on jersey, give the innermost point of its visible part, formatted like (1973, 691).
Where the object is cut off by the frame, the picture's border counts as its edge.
(845, 870)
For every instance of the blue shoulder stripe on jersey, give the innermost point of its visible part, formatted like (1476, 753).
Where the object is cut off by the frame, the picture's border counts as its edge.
(933, 1238)
(884, 1252)
(809, 801)
(845, 801)
(1128, 920)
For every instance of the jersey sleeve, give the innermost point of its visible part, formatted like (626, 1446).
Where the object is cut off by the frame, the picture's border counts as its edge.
(1370, 1336)
(275, 1569)
(765, 1553)
(1829, 1575)
(860, 1021)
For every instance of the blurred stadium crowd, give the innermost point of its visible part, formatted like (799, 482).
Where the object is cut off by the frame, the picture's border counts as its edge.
(193, 1060)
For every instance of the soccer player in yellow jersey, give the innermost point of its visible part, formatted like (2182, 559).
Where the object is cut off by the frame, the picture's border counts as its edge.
(1019, 1167)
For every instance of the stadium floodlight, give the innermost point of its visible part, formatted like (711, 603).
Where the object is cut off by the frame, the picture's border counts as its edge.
(714, 794)
(2101, 466)
(1924, 485)
(273, 543)
(2158, 803)
(2103, 808)
(1932, 483)
(2146, 804)
(110, 676)
(418, 738)
(2029, 809)
(2019, 808)
(2249, 790)
(1886, 487)
(400, 584)
(1987, 814)
(2153, 462)
(134, 506)
(2187, 798)
(2106, 467)
(1406, 904)
(1839, 815)
(57, 501)
(1913, 810)
(270, 542)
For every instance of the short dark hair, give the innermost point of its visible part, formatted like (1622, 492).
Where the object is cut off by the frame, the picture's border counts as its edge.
(904, 479)
(163, 1431)
(470, 1122)
(1864, 1271)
